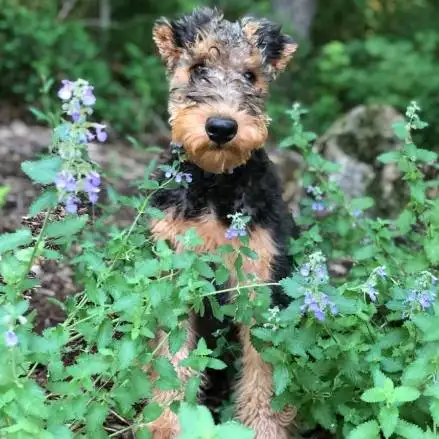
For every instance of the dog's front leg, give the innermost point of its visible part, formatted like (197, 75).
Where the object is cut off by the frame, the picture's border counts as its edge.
(167, 425)
(254, 395)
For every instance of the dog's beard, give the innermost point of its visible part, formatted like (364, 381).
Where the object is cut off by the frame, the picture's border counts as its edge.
(188, 129)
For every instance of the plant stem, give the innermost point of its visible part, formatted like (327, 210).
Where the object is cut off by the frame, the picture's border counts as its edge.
(238, 287)
(34, 252)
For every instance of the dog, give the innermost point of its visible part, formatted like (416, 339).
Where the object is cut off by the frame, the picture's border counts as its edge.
(219, 74)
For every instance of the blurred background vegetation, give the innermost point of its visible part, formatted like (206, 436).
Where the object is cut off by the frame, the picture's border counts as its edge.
(351, 52)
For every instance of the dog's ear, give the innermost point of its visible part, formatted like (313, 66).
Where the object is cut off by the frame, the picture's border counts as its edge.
(172, 37)
(164, 39)
(276, 48)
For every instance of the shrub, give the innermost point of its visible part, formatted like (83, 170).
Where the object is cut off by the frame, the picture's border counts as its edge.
(33, 43)
(356, 354)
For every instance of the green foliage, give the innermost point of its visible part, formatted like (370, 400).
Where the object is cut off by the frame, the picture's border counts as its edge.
(377, 52)
(356, 355)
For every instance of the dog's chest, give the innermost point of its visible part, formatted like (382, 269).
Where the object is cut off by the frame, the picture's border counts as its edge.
(212, 232)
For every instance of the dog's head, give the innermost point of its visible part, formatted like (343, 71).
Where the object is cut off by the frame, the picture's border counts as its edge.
(219, 73)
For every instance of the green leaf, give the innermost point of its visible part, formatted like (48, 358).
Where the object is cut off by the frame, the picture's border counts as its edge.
(4, 190)
(431, 246)
(215, 363)
(105, 334)
(96, 414)
(389, 157)
(176, 340)
(388, 418)
(408, 430)
(192, 389)
(281, 378)
(406, 394)
(417, 191)
(67, 227)
(434, 410)
(46, 200)
(233, 430)
(292, 287)
(366, 252)
(366, 430)
(400, 129)
(60, 432)
(362, 203)
(221, 275)
(405, 221)
(375, 394)
(424, 155)
(127, 353)
(152, 412)
(143, 433)
(148, 267)
(42, 171)
(11, 241)
(168, 378)
(286, 142)
(195, 421)
(204, 269)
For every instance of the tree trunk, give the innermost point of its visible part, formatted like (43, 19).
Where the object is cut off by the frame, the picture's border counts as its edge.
(299, 13)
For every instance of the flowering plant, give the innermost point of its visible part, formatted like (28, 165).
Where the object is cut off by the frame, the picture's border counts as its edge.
(356, 353)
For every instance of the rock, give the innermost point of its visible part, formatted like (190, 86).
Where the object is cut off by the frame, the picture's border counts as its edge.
(289, 165)
(354, 141)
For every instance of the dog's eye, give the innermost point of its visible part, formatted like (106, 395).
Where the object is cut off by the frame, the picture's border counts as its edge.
(250, 76)
(199, 70)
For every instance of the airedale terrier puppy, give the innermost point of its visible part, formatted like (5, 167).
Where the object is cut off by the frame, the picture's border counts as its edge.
(219, 72)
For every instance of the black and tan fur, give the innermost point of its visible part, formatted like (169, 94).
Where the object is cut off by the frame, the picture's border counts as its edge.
(222, 69)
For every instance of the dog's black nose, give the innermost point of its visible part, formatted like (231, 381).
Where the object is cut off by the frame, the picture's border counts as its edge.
(221, 130)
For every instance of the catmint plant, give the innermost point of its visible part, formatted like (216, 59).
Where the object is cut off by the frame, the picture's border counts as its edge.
(77, 175)
(238, 226)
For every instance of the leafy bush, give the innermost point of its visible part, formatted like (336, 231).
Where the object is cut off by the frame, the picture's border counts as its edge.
(357, 355)
(376, 70)
(34, 44)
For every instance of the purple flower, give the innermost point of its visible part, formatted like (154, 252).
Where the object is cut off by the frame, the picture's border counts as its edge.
(418, 301)
(93, 178)
(318, 305)
(76, 115)
(66, 91)
(169, 172)
(233, 232)
(88, 98)
(318, 207)
(91, 185)
(90, 136)
(372, 292)
(74, 110)
(100, 133)
(310, 189)
(321, 273)
(175, 147)
(65, 181)
(305, 270)
(425, 300)
(71, 204)
(183, 175)
(381, 272)
(11, 339)
(356, 213)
